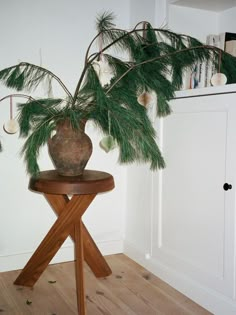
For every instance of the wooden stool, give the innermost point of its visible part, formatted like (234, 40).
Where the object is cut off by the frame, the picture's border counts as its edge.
(56, 189)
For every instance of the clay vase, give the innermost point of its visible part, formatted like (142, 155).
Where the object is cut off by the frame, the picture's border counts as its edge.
(70, 149)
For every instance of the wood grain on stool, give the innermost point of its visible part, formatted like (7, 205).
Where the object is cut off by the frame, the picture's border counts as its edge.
(79, 274)
(53, 240)
(92, 255)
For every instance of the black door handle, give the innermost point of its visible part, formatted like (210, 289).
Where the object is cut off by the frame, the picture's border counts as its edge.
(227, 186)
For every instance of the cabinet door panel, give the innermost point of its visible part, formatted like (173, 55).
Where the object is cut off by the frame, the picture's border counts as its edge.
(193, 227)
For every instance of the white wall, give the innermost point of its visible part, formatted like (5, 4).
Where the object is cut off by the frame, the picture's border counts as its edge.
(154, 11)
(141, 12)
(161, 13)
(195, 22)
(139, 195)
(200, 23)
(227, 21)
(62, 30)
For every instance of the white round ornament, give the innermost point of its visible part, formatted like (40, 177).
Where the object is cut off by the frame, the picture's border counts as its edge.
(11, 126)
(218, 79)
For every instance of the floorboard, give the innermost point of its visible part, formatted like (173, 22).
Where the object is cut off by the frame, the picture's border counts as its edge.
(130, 290)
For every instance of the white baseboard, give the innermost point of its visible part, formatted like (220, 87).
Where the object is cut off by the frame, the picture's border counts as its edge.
(17, 261)
(209, 299)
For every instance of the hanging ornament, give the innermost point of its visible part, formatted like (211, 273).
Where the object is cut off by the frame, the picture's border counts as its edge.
(101, 65)
(104, 71)
(145, 25)
(219, 78)
(145, 99)
(108, 143)
(11, 126)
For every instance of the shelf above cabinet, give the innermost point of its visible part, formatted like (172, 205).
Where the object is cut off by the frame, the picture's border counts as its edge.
(213, 90)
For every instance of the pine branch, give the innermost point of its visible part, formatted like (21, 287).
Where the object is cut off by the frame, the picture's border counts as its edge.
(35, 110)
(28, 76)
(201, 57)
(105, 21)
(154, 48)
(17, 95)
(127, 124)
(33, 144)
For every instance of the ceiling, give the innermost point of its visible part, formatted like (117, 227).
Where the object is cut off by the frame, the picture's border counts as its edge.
(211, 5)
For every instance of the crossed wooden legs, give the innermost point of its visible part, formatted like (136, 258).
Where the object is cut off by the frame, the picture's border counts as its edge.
(68, 223)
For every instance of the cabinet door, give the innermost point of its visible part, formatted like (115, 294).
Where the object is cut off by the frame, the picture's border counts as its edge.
(193, 217)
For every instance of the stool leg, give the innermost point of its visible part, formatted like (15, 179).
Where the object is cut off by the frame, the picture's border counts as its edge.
(92, 255)
(79, 273)
(54, 239)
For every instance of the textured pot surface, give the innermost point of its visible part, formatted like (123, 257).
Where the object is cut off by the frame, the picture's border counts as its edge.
(70, 149)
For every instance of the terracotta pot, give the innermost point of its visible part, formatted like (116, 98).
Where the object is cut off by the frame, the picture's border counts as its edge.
(70, 149)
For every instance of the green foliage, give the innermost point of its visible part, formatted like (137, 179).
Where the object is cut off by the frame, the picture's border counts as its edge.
(105, 21)
(27, 77)
(23, 76)
(129, 124)
(227, 65)
(35, 110)
(152, 61)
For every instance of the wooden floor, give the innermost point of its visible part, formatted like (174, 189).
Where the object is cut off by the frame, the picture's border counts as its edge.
(130, 290)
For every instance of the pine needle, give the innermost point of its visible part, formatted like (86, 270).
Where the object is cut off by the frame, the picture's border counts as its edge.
(105, 21)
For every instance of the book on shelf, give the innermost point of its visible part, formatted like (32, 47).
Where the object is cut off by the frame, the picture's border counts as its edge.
(212, 40)
(228, 42)
(200, 75)
(186, 80)
(194, 78)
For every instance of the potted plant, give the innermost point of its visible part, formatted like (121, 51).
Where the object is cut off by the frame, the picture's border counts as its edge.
(113, 92)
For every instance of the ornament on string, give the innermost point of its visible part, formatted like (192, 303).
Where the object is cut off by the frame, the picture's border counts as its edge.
(108, 143)
(11, 126)
(103, 71)
(145, 99)
(145, 25)
(101, 66)
(218, 78)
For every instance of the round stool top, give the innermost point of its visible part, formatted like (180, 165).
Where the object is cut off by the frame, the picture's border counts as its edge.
(90, 182)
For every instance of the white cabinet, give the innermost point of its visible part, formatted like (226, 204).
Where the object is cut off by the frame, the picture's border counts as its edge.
(192, 218)
(194, 222)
